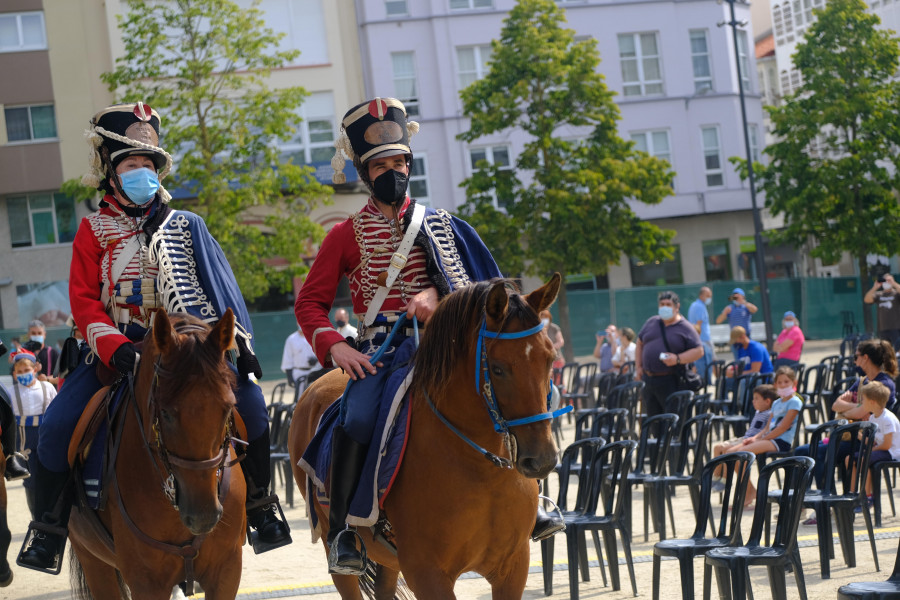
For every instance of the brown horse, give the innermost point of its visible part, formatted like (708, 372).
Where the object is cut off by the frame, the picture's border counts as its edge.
(6, 574)
(451, 510)
(173, 494)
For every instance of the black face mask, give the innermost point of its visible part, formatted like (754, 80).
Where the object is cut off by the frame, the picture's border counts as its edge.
(390, 187)
(340, 323)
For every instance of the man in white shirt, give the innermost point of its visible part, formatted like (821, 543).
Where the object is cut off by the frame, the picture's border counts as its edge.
(298, 360)
(342, 323)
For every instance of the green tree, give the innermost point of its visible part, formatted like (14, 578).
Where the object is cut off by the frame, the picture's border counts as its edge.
(833, 174)
(565, 205)
(204, 65)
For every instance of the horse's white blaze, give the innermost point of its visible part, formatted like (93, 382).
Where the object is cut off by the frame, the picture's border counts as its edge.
(528, 350)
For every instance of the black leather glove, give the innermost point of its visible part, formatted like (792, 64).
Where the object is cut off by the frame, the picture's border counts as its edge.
(124, 359)
(246, 360)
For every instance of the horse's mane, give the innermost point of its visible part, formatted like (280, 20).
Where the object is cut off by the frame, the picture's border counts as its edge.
(191, 361)
(453, 329)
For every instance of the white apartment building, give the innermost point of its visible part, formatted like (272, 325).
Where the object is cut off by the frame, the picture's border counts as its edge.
(673, 69)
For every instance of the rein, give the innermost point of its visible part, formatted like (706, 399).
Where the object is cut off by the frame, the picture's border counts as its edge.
(191, 549)
(486, 390)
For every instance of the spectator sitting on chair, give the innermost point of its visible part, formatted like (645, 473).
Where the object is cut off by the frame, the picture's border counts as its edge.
(790, 342)
(298, 360)
(625, 348)
(603, 349)
(763, 397)
(752, 354)
(875, 397)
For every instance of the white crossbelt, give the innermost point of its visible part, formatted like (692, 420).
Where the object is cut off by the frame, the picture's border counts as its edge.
(398, 261)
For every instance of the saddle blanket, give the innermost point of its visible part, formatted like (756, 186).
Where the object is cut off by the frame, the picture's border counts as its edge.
(94, 466)
(382, 460)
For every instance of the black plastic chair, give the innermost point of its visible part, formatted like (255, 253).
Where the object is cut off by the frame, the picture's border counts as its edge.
(650, 459)
(842, 504)
(607, 483)
(658, 489)
(715, 367)
(611, 425)
(580, 394)
(882, 472)
(875, 590)
(279, 453)
(727, 533)
(628, 396)
(605, 383)
(796, 474)
(811, 385)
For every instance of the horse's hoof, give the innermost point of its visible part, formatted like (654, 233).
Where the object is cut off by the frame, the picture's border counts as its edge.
(6, 578)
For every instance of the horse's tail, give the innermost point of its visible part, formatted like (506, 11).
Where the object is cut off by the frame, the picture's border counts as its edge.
(367, 584)
(78, 583)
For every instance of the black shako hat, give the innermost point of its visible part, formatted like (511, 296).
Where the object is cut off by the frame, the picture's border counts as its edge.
(373, 129)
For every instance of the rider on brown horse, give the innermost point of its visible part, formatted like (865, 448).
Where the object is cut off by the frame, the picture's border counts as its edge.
(131, 257)
(400, 257)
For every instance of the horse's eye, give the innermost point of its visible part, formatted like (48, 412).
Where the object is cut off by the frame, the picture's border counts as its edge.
(495, 370)
(166, 416)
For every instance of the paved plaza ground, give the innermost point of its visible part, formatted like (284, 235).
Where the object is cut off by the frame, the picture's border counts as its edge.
(300, 569)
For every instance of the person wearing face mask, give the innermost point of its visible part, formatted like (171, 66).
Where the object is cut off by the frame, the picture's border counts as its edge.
(886, 293)
(666, 341)
(132, 256)
(47, 356)
(298, 361)
(16, 463)
(30, 399)
(400, 258)
(790, 342)
(342, 324)
(698, 315)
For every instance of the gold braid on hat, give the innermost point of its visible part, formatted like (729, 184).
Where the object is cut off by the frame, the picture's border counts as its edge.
(343, 143)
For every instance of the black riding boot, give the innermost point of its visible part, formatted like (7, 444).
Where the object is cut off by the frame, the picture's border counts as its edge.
(546, 525)
(16, 465)
(45, 541)
(267, 528)
(347, 459)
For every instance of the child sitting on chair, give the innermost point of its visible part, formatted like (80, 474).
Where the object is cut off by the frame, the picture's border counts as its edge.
(763, 397)
(778, 435)
(875, 397)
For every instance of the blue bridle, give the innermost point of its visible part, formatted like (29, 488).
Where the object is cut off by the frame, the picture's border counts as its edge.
(482, 371)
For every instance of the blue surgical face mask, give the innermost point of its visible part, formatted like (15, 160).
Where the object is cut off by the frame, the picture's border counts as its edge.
(707, 301)
(140, 185)
(787, 324)
(25, 379)
(37, 338)
(666, 312)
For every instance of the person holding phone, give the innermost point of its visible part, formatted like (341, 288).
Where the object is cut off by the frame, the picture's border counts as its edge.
(739, 312)
(885, 293)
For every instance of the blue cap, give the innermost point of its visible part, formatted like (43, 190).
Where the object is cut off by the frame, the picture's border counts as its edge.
(738, 291)
(789, 313)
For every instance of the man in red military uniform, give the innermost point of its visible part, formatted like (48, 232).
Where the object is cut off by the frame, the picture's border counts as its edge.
(400, 257)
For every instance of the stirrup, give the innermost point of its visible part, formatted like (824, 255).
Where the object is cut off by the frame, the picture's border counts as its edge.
(36, 527)
(333, 566)
(259, 545)
(550, 532)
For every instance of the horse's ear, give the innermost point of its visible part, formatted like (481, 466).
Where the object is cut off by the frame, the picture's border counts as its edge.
(162, 332)
(541, 298)
(497, 302)
(221, 338)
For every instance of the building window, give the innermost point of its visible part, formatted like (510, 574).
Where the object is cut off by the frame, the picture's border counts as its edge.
(22, 31)
(788, 20)
(472, 62)
(313, 141)
(405, 87)
(657, 272)
(744, 59)
(470, 4)
(717, 260)
(654, 143)
(777, 22)
(700, 60)
(302, 23)
(41, 219)
(641, 71)
(395, 8)
(27, 123)
(712, 157)
(754, 141)
(499, 156)
(418, 180)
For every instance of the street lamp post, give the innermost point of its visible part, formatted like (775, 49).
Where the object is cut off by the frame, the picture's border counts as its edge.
(757, 220)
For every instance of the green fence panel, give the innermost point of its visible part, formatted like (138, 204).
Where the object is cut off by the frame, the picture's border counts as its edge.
(589, 312)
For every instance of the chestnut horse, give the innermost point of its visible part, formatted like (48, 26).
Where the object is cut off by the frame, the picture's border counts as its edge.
(175, 509)
(451, 510)
(6, 574)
